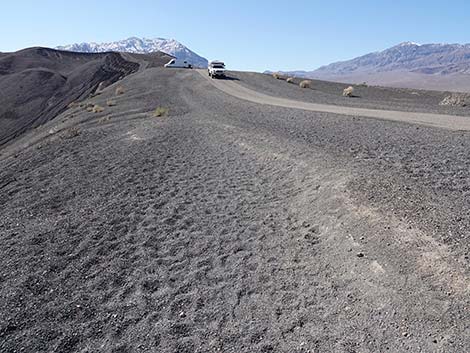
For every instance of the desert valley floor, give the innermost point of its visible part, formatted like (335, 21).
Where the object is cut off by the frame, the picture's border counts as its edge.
(226, 225)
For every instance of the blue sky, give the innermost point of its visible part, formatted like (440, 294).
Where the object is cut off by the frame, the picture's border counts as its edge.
(248, 35)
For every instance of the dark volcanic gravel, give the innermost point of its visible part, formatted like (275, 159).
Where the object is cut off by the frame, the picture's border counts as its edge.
(227, 226)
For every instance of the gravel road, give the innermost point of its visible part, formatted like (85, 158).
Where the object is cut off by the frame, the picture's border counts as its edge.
(232, 226)
(451, 122)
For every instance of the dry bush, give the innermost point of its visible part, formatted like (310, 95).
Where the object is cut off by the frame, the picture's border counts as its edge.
(119, 90)
(456, 99)
(290, 80)
(71, 132)
(277, 76)
(104, 119)
(73, 105)
(88, 107)
(348, 92)
(97, 109)
(160, 111)
(111, 103)
(305, 84)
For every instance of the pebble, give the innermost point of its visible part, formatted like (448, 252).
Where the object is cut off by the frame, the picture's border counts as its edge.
(360, 254)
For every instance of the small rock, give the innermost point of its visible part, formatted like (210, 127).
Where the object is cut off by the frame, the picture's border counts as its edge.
(360, 254)
(305, 224)
(182, 314)
(405, 334)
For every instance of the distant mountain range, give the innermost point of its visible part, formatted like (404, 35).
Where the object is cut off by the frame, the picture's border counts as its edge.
(427, 66)
(141, 46)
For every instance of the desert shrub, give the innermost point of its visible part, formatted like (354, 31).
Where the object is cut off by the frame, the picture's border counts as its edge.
(88, 107)
(119, 90)
(456, 99)
(305, 84)
(73, 105)
(290, 80)
(71, 132)
(348, 92)
(110, 103)
(97, 109)
(160, 111)
(277, 76)
(104, 119)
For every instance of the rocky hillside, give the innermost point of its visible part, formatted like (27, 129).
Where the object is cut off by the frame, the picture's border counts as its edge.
(37, 84)
(441, 59)
(140, 46)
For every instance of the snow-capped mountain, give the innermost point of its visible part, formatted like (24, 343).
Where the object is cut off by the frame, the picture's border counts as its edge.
(408, 64)
(142, 46)
(408, 56)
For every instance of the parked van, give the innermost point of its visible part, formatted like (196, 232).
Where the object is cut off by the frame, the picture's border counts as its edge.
(216, 69)
(177, 63)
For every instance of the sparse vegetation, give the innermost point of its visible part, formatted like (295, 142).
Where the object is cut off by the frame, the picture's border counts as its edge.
(305, 84)
(119, 90)
(97, 109)
(73, 105)
(104, 119)
(456, 99)
(348, 92)
(71, 132)
(111, 103)
(88, 107)
(290, 80)
(276, 75)
(160, 111)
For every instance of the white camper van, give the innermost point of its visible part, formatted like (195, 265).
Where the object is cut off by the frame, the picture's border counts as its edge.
(178, 63)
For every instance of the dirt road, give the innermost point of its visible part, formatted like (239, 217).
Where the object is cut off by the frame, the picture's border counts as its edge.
(450, 122)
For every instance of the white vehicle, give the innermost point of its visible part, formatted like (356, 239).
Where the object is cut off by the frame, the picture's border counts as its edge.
(216, 69)
(177, 63)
